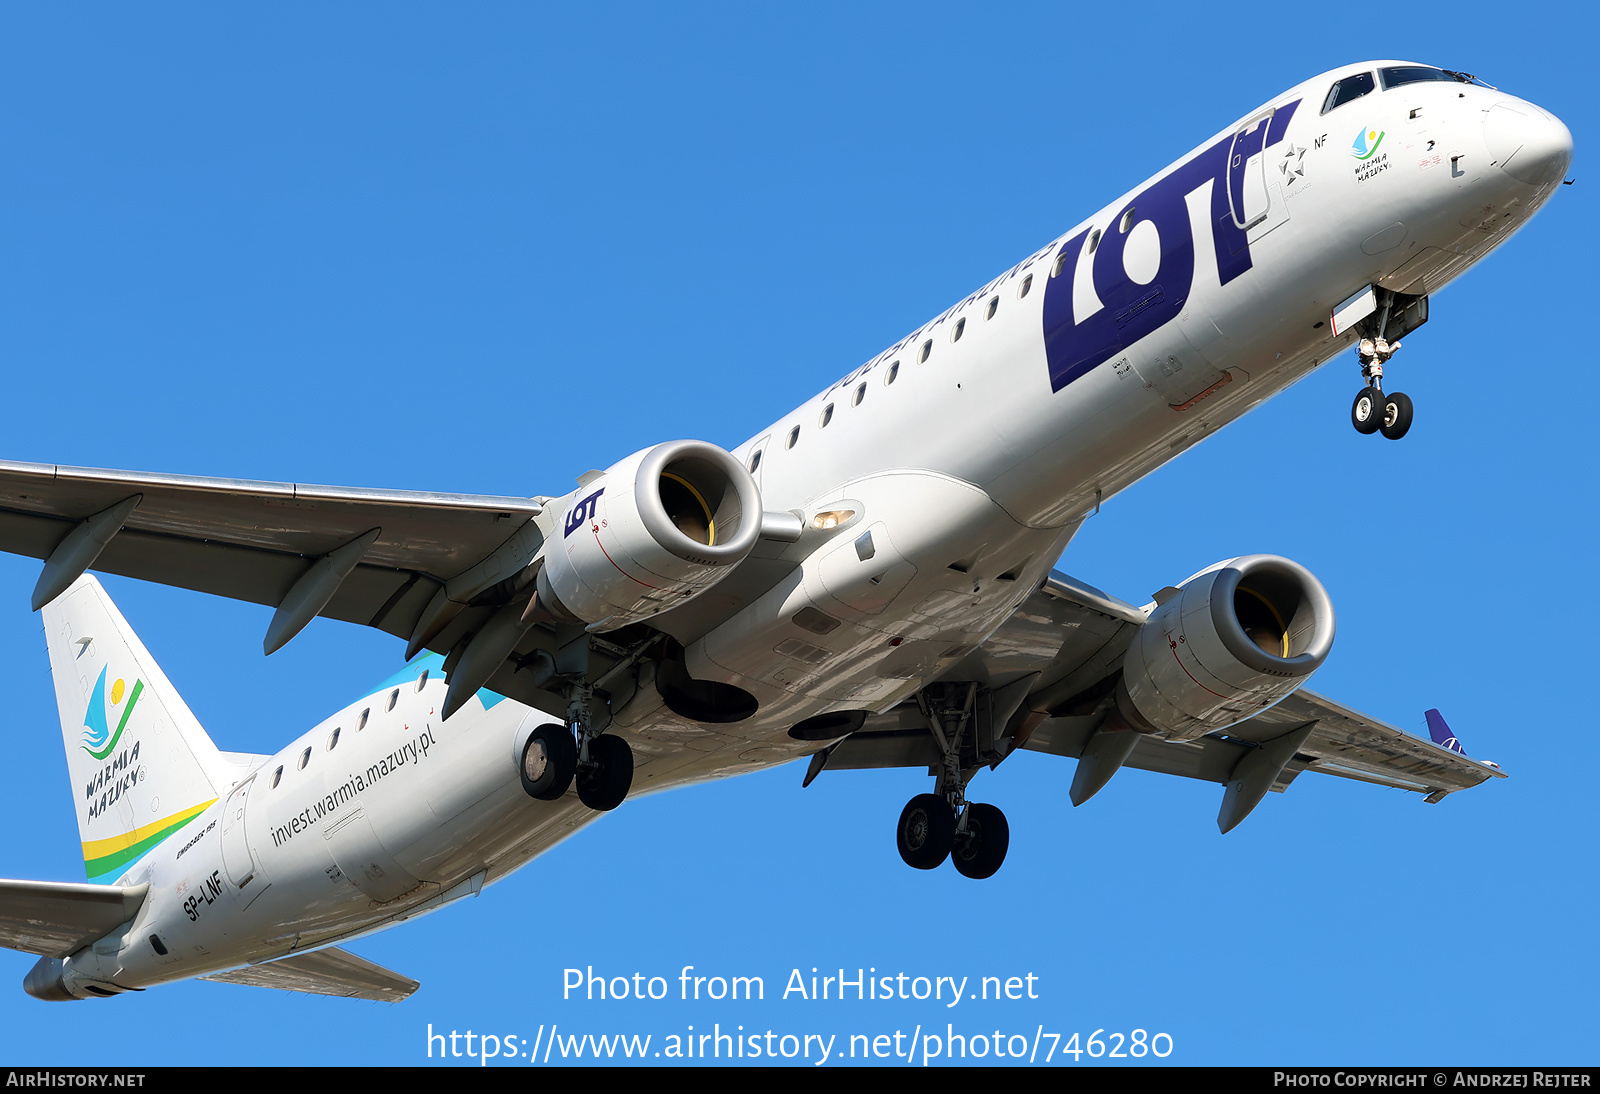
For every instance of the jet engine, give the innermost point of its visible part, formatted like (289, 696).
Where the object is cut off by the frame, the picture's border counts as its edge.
(1233, 640)
(653, 530)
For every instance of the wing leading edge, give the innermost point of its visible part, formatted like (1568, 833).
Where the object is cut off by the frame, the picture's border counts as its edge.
(1341, 742)
(255, 541)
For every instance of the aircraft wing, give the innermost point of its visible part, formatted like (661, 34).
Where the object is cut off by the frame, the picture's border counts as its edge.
(53, 918)
(324, 972)
(1342, 742)
(379, 558)
(255, 540)
(1047, 673)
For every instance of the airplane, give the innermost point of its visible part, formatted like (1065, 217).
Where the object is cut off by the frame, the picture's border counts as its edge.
(849, 585)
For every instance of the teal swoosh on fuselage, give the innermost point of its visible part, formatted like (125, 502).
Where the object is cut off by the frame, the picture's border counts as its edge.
(433, 664)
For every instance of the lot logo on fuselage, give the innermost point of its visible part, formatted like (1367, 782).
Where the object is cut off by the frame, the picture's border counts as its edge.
(581, 512)
(1126, 310)
(98, 740)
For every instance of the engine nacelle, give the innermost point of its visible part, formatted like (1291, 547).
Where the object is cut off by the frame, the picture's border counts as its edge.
(1237, 638)
(652, 531)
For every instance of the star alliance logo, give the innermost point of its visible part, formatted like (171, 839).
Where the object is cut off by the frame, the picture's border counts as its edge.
(1293, 166)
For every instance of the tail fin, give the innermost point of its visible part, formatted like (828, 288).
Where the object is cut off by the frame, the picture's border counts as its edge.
(140, 765)
(1441, 733)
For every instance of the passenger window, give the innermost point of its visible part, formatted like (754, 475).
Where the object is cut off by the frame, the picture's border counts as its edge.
(861, 393)
(1027, 283)
(363, 723)
(794, 435)
(888, 377)
(422, 680)
(277, 777)
(333, 739)
(1061, 264)
(994, 304)
(961, 328)
(305, 758)
(1348, 89)
(394, 697)
(755, 461)
(927, 348)
(827, 416)
(1094, 240)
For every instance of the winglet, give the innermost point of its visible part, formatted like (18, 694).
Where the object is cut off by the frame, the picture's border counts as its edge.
(1441, 733)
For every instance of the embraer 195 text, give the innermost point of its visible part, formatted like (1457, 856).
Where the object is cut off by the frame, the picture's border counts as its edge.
(847, 585)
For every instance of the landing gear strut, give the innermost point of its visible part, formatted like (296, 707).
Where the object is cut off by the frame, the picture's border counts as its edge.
(555, 756)
(941, 825)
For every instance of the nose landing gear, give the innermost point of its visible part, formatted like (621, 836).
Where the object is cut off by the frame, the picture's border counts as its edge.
(1366, 414)
(1396, 416)
(1373, 411)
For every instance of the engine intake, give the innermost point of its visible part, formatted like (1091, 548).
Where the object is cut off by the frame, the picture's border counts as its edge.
(1238, 637)
(657, 528)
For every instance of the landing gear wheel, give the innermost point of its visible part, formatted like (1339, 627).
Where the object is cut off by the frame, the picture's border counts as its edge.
(927, 829)
(980, 852)
(549, 760)
(1396, 416)
(603, 784)
(1366, 413)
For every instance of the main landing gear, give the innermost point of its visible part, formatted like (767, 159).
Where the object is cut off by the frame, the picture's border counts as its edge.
(556, 756)
(934, 827)
(1373, 411)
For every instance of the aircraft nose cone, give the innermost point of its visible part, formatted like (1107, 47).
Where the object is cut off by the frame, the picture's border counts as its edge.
(1527, 143)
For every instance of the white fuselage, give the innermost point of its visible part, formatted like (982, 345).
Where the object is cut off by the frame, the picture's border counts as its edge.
(971, 450)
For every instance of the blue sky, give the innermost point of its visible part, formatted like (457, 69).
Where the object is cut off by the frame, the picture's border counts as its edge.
(487, 249)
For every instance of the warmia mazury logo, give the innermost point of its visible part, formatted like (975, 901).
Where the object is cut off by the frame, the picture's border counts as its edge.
(98, 740)
(1366, 143)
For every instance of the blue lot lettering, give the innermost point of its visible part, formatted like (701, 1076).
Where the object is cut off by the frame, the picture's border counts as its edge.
(1129, 310)
(580, 512)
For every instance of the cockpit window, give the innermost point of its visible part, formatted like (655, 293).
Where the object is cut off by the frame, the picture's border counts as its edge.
(1412, 74)
(1351, 87)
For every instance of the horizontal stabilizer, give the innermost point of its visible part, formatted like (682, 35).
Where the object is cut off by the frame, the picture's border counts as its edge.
(55, 918)
(324, 972)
